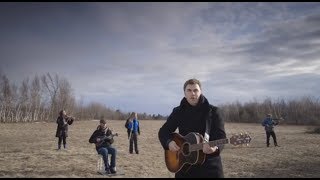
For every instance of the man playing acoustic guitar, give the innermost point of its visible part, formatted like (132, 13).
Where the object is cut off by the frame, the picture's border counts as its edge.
(103, 138)
(200, 122)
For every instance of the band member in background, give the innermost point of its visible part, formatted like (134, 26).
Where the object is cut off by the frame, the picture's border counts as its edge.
(63, 122)
(133, 129)
(103, 139)
(269, 124)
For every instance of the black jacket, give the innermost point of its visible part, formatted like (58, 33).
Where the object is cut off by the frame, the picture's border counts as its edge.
(102, 133)
(63, 123)
(188, 119)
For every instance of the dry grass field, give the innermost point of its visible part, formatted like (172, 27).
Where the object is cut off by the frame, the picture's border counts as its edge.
(29, 150)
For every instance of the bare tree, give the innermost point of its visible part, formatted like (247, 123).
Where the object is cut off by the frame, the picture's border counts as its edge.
(51, 84)
(65, 98)
(44, 97)
(6, 99)
(35, 98)
(24, 101)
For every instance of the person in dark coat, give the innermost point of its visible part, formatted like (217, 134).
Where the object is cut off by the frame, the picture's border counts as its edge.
(191, 116)
(102, 137)
(63, 122)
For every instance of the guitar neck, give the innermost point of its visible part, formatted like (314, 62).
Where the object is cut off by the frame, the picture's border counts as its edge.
(196, 147)
(103, 138)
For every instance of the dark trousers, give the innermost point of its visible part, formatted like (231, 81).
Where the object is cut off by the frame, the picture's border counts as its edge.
(133, 141)
(271, 133)
(129, 133)
(211, 168)
(64, 139)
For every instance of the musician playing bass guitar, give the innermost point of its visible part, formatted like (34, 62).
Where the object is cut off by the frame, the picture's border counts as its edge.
(102, 137)
(194, 115)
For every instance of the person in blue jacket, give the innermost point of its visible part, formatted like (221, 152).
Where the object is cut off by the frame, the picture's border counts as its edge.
(269, 124)
(133, 127)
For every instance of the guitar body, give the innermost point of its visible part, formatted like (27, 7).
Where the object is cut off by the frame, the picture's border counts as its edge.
(184, 158)
(103, 138)
(191, 146)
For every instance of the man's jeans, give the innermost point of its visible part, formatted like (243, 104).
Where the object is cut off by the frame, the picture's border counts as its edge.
(104, 151)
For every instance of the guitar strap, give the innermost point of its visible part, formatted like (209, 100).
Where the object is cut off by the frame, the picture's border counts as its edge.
(208, 125)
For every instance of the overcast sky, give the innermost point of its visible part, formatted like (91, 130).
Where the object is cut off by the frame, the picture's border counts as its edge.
(137, 56)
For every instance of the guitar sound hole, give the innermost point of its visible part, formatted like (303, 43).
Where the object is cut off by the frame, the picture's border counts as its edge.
(185, 149)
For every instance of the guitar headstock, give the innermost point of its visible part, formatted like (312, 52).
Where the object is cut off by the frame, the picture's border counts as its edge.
(241, 138)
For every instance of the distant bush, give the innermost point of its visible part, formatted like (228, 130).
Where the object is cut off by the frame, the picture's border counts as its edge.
(315, 130)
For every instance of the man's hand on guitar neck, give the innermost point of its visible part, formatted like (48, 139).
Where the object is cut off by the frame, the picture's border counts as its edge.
(173, 146)
(207, 149)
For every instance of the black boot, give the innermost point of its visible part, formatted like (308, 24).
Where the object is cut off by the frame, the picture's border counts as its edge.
(113, 170)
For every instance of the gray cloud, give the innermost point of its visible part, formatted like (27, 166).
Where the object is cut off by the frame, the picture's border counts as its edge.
(138, 55)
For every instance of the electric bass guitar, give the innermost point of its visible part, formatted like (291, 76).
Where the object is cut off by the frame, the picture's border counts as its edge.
(190, 152)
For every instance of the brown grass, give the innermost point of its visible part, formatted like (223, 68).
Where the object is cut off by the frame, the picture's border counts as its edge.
(29, 150)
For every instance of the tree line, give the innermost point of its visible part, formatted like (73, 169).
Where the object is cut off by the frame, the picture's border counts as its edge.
(301, 111)
(42, 97)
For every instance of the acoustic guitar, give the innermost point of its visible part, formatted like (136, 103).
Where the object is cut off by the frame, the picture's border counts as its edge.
(190, 152)
(103, 138)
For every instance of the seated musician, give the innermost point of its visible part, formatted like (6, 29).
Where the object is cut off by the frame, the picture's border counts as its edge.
(103, 139)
